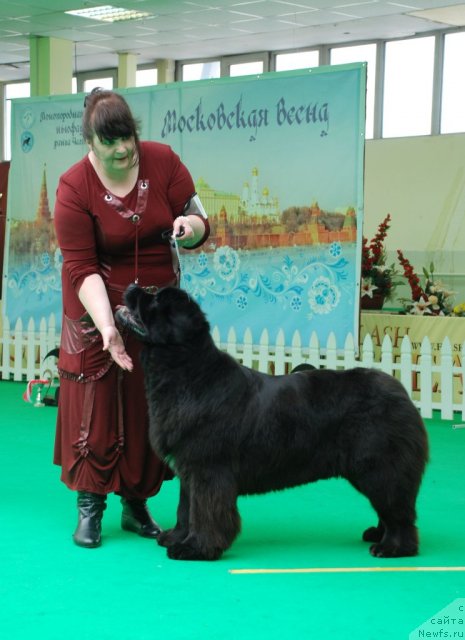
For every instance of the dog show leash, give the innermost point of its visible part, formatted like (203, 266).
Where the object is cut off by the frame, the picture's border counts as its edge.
(173, 241)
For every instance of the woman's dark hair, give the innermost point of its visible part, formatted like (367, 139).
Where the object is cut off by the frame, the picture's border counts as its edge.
(108, 116)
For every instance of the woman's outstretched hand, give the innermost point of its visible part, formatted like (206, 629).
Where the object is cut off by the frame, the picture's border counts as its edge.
(113, 342)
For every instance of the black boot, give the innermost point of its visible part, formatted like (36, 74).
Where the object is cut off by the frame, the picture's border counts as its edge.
(136, 518)
(91, 507)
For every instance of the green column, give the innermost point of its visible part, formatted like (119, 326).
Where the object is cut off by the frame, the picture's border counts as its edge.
(51, 66)
(126, 70)
(165, 69)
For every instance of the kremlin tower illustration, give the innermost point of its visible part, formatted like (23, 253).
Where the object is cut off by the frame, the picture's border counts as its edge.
(254, 220)
(31, 240)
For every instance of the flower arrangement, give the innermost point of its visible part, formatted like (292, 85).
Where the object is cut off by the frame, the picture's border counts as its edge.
(432, 299)
(377, 277)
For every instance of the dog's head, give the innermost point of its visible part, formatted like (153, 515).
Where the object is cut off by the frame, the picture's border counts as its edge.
(169, 316)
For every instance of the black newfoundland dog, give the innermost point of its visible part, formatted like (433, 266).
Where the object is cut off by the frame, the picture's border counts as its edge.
(227, 430)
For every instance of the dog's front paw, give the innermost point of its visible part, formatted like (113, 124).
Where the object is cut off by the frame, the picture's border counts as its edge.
(189, 551)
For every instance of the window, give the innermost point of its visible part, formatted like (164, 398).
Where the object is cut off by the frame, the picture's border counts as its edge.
(146, 77)
(91, 83)
(408, 87)
(244, 65)
(453, 87)
(201, 70)
(14, 90)
(361, 53)
(297, 60)
(245, 68)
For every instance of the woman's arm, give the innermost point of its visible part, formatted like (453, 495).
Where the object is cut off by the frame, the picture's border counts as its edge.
(93, 295)
(193, 223)
(76, 237)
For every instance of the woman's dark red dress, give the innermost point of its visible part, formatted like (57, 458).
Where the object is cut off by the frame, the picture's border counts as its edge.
(102, 427)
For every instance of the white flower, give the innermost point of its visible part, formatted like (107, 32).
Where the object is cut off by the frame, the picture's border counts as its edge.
(420, 308)
(367, 287)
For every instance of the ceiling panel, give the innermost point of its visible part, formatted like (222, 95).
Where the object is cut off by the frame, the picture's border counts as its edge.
(192, 29)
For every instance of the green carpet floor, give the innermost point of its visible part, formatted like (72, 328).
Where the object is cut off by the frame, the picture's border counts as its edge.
(129, 590)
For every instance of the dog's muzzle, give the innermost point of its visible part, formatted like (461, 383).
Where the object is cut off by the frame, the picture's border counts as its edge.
(127, 320)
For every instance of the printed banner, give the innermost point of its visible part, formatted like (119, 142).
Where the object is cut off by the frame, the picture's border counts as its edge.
(378, 325)
(278, 164)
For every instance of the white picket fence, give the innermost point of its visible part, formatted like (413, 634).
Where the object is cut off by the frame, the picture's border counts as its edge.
(431, 385)
(23, 349)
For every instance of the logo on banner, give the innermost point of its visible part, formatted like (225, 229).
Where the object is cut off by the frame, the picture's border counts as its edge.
(27, 119)
(27, 141)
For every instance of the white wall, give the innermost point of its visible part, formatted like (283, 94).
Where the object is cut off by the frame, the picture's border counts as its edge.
(421, 182)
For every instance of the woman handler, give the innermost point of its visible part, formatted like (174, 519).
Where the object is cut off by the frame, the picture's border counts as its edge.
(113, 211)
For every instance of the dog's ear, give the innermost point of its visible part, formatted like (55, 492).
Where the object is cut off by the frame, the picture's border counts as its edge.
(136, 296)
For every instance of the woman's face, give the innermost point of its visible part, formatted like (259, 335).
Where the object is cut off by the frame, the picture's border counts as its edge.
(115, 155)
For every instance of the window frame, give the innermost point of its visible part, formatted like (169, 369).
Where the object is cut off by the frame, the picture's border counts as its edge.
(228, 61)
(180, 64)
(268, 59)
(419, 36)
(275, 55)
(83, 76)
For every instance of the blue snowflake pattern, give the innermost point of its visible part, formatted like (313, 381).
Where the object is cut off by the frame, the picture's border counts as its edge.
(45, 259)
(202, 260)
(335, 249)
(296, 303)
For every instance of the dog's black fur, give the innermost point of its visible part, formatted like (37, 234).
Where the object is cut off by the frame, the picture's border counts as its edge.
(227, 430)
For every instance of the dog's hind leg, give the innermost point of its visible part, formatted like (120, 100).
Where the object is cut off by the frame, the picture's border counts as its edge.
(400, 538)
(181, 529)
(396, 534)
(214, 518)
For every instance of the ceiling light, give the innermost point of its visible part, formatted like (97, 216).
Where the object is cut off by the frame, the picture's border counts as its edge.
(107, 13)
